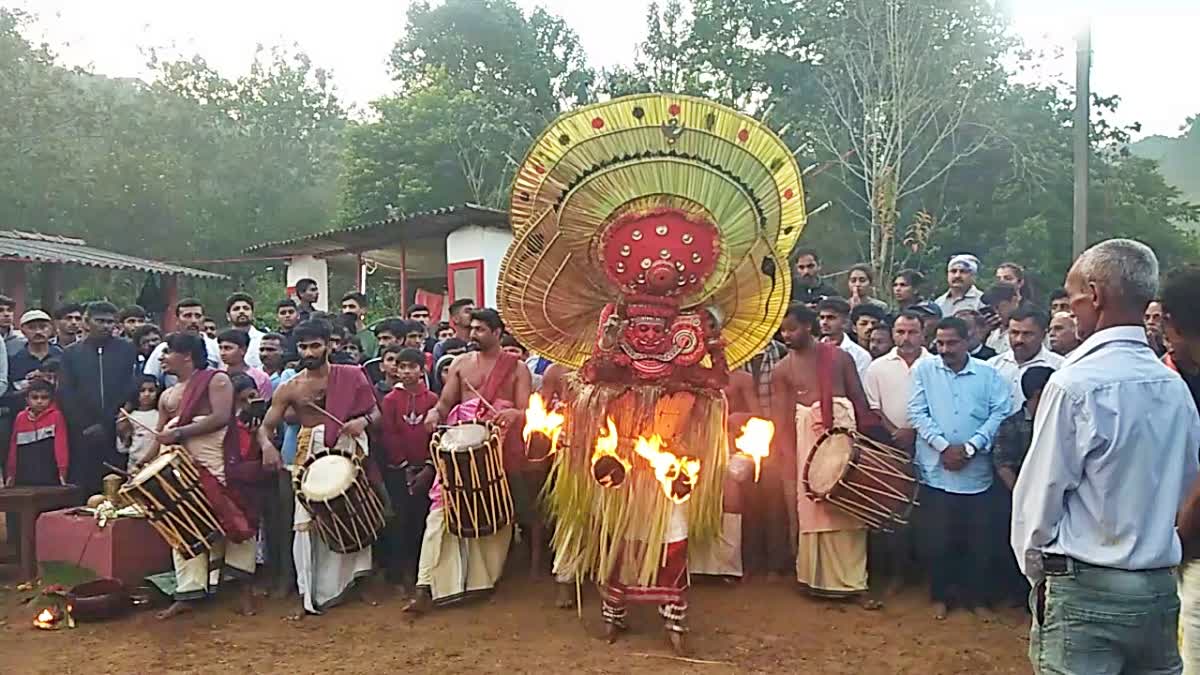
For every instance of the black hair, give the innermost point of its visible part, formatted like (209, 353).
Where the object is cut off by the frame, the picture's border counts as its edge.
(360, 298)
(864, 268)
(51, 365)
(801, 313)
(1018, 271)
(443, 325)
(347, 321)
(38, 384)
(394, 326)
(1059, 294)
(278, 337)
(242, 382)
(834, 304)
(101, 307)
(356, 342)
(1180, 298)
(489, 317)
(453, 343)
(999, 292)
(237, 337)
(6, 301)
(415, 308)
(190, 344)
(507, 340)
(1040, 319)
(144, 330)
(910, 315)
(801, 252)
(884, 326)
(1034, 380)
(313, 329)
(238, 297)
(913, 277)
(142, 380)
(412, 327)
(286, 302)
(341, 358)
(303, 284)
(955, 324)
(868, 309)
(188, 302)
(459, 304)
(392, 349)
(66, 308)
(413, 356)
(131, 312)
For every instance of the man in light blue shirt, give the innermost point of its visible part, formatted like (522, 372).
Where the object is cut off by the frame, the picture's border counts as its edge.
(957, 405)
(1114, 451)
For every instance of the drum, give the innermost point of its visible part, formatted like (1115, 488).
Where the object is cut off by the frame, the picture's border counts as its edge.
(871, 481)
(475, 489)
(168, 491)
(332, 486)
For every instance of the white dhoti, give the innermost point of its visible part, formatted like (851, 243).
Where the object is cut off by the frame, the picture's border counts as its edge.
(454, 568)
(723, 557)
(199, 576)
(322, 576)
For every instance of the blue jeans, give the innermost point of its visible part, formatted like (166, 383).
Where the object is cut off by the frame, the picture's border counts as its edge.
(1098, 620)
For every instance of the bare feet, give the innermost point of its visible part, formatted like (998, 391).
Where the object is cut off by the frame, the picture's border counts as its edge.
(939, 611)
(178, 607)
(298, 613)
(986, 614)
(565, 598)
(421, 603)
(246, 602)
(677, 643)
(870, 604)
(611, 632)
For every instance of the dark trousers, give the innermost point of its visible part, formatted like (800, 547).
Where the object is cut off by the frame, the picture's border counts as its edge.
(893, 556)
(765, 545)
(1011, 587)
(279, 511)
(957, 532)
(404, 532)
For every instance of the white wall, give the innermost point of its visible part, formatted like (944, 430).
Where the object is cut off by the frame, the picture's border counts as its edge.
(306, 266)
(475, 242)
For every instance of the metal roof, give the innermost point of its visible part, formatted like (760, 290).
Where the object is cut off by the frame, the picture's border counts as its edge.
(59, 250)
(405, 228)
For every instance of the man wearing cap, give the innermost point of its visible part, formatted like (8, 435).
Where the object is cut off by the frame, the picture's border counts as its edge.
(26, 364)
(962, 293)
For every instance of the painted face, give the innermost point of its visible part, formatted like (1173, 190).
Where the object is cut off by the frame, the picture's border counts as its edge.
(648, 335)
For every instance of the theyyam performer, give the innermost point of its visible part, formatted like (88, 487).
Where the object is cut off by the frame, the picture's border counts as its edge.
(650, 256)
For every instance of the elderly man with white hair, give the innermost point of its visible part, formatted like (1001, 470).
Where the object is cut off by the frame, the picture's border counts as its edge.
(1114, 451)
(962, 292)
(1062, 338)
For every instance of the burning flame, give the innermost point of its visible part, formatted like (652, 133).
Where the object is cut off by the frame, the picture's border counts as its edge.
(755, 441)
(47, 619)
(606, 448)
(677, 475)
(539, 420)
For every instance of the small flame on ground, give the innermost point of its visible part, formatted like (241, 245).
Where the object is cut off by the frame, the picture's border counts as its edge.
(755, 441)
(540, 420)
(677, 475)
(47, 618)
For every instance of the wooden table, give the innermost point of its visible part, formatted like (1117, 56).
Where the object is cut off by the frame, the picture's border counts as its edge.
(27, 503)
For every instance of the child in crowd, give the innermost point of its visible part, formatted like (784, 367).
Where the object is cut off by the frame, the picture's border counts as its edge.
(408, 469)
(38, 452)
(135, 438)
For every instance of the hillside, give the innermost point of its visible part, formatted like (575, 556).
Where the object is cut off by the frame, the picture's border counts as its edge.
(1178, 158)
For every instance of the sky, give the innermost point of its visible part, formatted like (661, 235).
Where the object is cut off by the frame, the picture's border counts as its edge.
(1141, 48)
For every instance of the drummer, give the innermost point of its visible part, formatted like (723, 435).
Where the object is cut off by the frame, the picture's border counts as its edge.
(815, 388)
(334, 405)
(485, 384)
(196, 414)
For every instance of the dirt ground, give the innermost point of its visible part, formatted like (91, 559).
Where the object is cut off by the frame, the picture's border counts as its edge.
(752, 627)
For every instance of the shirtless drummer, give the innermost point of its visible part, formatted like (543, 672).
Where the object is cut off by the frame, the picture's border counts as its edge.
(333, 405)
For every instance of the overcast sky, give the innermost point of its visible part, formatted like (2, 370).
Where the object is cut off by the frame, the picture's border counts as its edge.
(1147, 56)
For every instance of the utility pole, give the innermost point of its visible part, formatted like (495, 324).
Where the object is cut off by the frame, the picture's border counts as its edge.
(1080, 129)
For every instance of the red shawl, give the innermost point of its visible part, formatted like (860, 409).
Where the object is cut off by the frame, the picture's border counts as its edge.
(349, 394)
(233, 510)
(826, 362)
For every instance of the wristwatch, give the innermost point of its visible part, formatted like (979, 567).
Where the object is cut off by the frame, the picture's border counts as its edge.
(969, 450)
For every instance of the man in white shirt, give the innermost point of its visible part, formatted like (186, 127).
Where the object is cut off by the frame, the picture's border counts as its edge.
(1114, 451)
(1026, 337)
(1062, 337)
(888, 385)
(189, 315)
(239, 309)
(834, 314)
(999, 303)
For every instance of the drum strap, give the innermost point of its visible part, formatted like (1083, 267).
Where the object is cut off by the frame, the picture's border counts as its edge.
(825, 361)
(501, 371)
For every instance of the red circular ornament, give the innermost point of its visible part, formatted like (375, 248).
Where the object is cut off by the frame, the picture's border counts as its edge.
(597, 123)
(674, 109)
(788, 194)
(662, 252)
(743, 135)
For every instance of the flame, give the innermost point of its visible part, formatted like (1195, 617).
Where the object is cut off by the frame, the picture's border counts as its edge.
(539, 420)
(606, 446)
(47, 618)
(677, 475)
(755, 441)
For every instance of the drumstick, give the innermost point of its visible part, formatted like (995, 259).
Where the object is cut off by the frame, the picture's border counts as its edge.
(133, 420)
(481, 398)
(122, 472)
(326, 413)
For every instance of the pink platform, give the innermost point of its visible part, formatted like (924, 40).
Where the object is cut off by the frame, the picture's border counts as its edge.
(126, 548)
